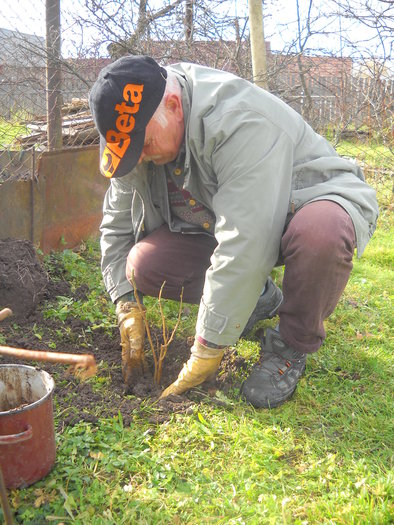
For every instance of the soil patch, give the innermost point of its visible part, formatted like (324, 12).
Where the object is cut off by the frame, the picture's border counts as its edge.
(24, 285)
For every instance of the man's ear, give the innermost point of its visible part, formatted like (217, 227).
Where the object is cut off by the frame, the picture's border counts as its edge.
(173, 103)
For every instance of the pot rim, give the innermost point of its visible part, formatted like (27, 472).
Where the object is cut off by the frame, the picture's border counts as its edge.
(50, 383)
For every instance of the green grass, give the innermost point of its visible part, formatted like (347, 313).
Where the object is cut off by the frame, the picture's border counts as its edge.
(373, 155)
(10, 130)
(377, 161)
(325, 457)
(81, 270)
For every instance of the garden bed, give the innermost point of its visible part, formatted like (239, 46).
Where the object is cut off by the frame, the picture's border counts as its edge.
(28, 288)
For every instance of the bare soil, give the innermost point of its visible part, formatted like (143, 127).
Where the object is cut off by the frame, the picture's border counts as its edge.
(25, 287)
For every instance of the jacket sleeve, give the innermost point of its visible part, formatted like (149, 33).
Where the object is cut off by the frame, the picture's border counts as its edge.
(252, 161)
(117, 237)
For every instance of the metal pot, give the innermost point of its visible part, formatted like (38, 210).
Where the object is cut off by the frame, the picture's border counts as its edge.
(27, 434)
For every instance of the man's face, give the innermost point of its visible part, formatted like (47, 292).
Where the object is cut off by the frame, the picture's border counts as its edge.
(163, 140)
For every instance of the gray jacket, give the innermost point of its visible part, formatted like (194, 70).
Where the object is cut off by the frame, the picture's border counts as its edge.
(253, 161)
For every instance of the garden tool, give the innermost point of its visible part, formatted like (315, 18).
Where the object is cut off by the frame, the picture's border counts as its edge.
(6, 312)
(4, 502)
(83, 366)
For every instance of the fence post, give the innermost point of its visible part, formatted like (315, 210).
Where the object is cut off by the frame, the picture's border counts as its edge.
(257, 43)
(53, 77)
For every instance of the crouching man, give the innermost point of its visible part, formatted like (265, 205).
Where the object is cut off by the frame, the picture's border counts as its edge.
(214, 181)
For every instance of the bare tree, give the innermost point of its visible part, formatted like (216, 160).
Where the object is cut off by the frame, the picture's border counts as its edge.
(303, 37)
(373, 72)
(345, 90)
(136, 27)
(189, 20)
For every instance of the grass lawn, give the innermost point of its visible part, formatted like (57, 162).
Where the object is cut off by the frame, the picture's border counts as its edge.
(325, 457)
(8, 132)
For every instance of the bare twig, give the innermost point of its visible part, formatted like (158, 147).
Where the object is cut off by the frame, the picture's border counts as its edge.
(142, 311)
(159, 350)
(167, 341)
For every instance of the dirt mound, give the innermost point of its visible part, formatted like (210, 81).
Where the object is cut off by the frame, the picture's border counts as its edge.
(23, 282)
(24, 285)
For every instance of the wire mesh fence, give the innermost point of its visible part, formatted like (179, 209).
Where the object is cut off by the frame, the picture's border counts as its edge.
(352, 107)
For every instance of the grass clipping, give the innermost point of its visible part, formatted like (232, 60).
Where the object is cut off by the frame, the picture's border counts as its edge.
(159, 350)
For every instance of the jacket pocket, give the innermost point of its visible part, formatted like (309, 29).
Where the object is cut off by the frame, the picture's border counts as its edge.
(210, 320)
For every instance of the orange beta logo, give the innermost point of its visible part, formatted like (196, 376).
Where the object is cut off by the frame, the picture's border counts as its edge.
(118, 140)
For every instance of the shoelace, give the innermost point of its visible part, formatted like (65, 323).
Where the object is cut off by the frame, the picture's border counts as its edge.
(277, 364)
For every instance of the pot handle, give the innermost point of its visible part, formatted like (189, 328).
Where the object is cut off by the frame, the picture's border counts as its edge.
(17, 438)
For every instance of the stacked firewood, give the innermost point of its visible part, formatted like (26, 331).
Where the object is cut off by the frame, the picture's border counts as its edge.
(77, 127)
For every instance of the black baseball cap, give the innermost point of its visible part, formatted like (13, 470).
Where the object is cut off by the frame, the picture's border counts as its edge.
(122, 101)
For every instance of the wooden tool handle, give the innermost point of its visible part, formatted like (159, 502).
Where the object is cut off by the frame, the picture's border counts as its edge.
(5, 312)
(78, 361)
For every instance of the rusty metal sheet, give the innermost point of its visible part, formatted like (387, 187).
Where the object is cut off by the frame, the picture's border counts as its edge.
(21, 207)
(62, 206)
(17, 165)
(74, 192)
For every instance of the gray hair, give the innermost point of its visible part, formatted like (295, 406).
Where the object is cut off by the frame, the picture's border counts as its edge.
(172, 87)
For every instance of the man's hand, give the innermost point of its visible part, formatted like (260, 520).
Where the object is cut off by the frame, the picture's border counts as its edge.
(132, 334)
(202, 365)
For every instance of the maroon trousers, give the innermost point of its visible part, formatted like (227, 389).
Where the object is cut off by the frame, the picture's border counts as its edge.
(317, 249)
